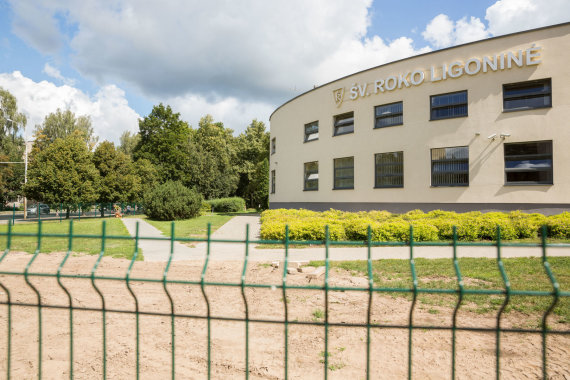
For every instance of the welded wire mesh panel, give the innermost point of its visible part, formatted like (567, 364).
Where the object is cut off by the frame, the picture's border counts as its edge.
(66, 315)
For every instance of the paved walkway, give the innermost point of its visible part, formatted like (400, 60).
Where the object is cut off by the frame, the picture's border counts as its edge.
(159, 250)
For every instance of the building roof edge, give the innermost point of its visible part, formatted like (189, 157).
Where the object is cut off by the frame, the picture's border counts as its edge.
(418, 55)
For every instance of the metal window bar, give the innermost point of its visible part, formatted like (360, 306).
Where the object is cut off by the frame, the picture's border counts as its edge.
(556, 294)
(527, 95)
(448, 105)
(389, 115)
(389, 169)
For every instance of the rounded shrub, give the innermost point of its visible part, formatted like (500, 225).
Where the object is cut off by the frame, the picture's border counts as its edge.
(234, 204)
(172, 201)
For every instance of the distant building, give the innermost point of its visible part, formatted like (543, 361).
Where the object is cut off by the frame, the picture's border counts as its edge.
(480, 126)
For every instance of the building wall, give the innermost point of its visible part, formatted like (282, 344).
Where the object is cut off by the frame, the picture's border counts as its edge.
(417, 135)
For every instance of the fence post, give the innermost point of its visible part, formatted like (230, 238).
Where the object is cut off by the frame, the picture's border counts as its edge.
(13, 214)
(79, 213)
(60, 211)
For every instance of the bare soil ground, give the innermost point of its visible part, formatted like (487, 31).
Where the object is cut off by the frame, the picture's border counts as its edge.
(521, 354)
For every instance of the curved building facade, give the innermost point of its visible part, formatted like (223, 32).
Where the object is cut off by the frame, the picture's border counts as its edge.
(481, 126)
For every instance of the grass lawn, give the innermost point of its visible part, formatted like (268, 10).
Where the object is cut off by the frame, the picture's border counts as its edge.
(197, 227)
(113, 247)
(477, 273)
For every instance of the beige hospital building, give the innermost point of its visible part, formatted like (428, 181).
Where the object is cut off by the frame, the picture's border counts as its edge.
(480, 126)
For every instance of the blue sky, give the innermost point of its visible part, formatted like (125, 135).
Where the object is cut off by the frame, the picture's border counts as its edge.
(235, 61)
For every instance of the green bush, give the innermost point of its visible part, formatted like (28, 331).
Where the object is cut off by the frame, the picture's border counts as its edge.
(205, 208)
(172, 201)
(234, 204)
(559, 226)
(432, 226)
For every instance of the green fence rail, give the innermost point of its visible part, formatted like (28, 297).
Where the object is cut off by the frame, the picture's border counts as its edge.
(414, 290)
(64, 211)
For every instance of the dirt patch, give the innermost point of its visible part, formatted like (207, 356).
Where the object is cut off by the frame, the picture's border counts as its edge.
(520, 353)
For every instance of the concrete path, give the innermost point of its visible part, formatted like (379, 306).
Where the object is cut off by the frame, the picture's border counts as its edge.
(159, 250)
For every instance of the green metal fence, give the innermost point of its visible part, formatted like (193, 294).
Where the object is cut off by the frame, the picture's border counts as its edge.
(63, 211)
(70, 307)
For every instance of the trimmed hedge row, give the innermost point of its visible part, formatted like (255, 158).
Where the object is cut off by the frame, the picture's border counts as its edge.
(432, 226)
(234, 204)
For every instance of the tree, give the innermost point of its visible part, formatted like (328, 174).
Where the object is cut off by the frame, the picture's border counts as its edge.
(258, 189)
(147, 176)
(63, 172)
(11, 147)
(118, 182)
(61, 124)
(165, 141)
(252, 150)
(128, 142)
(217, 176)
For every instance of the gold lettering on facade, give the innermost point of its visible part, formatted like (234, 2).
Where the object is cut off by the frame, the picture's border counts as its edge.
(338, 95)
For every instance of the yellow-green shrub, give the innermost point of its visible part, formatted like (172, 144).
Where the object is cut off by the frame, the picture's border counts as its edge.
(432, 226)
(559, 226)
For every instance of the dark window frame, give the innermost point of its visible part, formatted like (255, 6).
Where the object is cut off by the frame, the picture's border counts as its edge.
(273, 181)
(338, 123)
(305, 136)
(273, 145)
(306, 175)
(388, 115)
(377, 183)
(547, 92)
(335, 177)
(548, 155)
(449, 161)
(451, 105)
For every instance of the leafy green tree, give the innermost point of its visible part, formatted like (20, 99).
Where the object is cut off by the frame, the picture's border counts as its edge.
(165, 141)
(148, 178)
(258, 188)
(118, 183)
(11, 147)
(63, 172)
(216, 176)
(128, 142)
(252, 150)
(61, 124)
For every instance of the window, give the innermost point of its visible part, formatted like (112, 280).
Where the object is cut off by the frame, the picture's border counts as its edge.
(389, 169)
(344, 123)
(528, 163)
(446, 106)
(527, 95)
(389, 115)
(273, 182)
(344, 173)
(450, 166)
(273, 145)
(311, 176)
(312, 131)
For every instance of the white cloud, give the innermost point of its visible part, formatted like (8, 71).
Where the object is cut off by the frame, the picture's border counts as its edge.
(355, 56)
(109, 110)
(249, 50)
(56, 74)
(509, 16)
(234, 113)
(503, 17)
(442, 32)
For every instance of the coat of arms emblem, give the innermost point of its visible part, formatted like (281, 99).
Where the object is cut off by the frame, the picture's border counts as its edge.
(338, 95)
